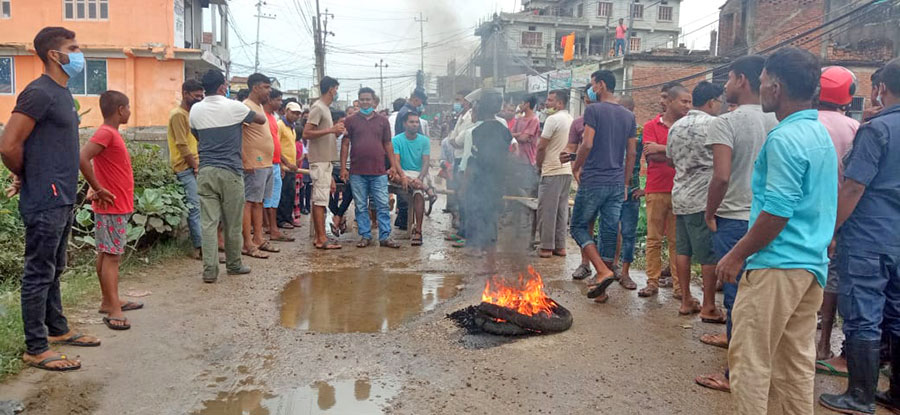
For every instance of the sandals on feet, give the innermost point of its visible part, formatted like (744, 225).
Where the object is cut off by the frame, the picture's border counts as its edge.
(695, 308)
(127, 306)
(719, 319)
(283, 238)
(627, 283)
(714, 382)
(648, 291)
(255, 254)
(73, 341)
(124, 326)
(713, 340)
(599, 289)
(328, 245)
(389, 243)
(363, 243)
(43, 364)
(268, 248)
(825, 368)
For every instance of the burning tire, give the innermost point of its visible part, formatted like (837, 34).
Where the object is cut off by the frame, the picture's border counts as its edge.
(559, 320)
(500, 328)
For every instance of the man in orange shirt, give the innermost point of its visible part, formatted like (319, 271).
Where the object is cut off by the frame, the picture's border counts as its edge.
(621, 30)
(257, 152)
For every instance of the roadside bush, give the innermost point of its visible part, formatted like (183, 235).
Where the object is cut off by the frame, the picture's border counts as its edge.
(12, 242)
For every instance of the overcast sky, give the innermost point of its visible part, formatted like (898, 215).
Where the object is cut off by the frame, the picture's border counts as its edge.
(366, 31)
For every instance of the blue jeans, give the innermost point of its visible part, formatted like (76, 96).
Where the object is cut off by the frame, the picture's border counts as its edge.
(868, 292)
(189, 183)
(46, 240)
(620, 45)
(376, 187)
(728, 233)
(631, 210)
(604, 202)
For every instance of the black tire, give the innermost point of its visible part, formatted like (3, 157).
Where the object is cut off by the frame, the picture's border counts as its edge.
(561, 320)
(500, 328)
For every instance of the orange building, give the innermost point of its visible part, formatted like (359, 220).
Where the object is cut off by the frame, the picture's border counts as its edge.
(143, 48)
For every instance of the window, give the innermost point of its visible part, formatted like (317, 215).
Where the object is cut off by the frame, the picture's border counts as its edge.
(665, 14)
(605, 9)
(7, 76)
(532, 39)
(579, 11)
(91, 81)
(635, 44)
(5, 9)
(86, 9)
(637, 10)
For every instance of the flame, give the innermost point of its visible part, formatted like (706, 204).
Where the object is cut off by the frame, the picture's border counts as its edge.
(526, 297)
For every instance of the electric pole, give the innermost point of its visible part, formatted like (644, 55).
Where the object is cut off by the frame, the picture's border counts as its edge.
(259, 16)
(320, 26)
(629, 30)
(381, 65)
(421, 21)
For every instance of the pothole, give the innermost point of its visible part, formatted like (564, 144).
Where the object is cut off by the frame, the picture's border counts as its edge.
(354, 396)
(362, 300)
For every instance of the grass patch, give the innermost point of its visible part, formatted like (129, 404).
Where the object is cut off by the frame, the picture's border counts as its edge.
(78, 286)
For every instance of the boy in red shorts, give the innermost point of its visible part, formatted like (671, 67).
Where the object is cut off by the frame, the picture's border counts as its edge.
(112, 185)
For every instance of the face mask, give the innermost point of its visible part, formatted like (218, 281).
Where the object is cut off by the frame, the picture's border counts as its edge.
(457, 107)
(550, 111)
(421, 108)
(592, 95)
(366, 111)
(75, 65)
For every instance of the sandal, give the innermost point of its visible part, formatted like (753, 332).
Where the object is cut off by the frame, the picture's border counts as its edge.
(255, 254)
(127, 306)
(334, 229)
(713, 340)
(416, 239)
(695, 308)
(545, 253)
(599, 289)
(43, 364)
(602, 299)
(124, 326)
(389, 243)
(716, 381)
(73, 341)
(363, 243)
(283, 238)
(268, 248)
(329, 245)
(626, 282)
(720, 319)
(459, 243)
(825, 368)
(648, 291)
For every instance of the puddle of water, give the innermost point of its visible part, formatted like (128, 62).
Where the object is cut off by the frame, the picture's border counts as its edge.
(362, 300)
(360, 396)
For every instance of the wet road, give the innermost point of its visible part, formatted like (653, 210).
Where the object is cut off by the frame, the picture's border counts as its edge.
(362, 331)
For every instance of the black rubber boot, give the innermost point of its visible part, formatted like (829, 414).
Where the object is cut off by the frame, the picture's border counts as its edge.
(890, 399)
(863, 361)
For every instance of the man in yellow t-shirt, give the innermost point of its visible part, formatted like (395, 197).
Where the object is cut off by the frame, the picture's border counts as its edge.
(183, 155)
(287, 137)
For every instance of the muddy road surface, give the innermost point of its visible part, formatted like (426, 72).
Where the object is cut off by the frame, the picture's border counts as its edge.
(363, 331)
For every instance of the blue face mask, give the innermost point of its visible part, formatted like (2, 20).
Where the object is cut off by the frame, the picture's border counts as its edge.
(592, 95)
(366, 111)
(421, 108)
(75, 65)
(457, 107)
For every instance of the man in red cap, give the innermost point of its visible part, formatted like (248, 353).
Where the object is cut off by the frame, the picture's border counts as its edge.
(837, 86)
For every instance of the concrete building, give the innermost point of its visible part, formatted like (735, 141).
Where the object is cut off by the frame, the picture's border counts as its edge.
(532, 36)
(148, 64)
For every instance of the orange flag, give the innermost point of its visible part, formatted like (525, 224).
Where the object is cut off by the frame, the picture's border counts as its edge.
(568, 44)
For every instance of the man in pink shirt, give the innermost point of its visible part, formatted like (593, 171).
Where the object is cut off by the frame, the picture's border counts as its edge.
(837, 86)
(621, 30)
(527, 131)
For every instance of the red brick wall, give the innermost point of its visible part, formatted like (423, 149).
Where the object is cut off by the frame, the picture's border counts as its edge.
(730, 30)
(646, 101)
(778, 20)
(874, 50)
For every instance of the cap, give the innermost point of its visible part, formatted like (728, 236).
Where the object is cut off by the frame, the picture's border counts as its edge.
(837, 85)
(293, 107)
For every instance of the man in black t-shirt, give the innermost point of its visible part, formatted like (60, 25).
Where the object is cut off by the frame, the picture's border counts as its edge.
(40, 147)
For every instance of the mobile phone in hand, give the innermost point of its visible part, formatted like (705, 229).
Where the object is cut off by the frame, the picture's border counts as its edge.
(571, 156)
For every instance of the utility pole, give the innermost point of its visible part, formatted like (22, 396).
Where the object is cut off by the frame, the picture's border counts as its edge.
(381, 65)
(321, 33)
(495, 45)
(630, 29)
(259, 16)
(421, 21)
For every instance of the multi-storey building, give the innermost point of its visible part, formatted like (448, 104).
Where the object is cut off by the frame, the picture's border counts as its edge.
(144, 49)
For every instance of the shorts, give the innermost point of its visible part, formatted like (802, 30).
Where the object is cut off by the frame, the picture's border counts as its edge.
(831, 284)
(412, 174)
(321, 182)
(271, 201)
(258, 185)
(110, 232)
(693, 238)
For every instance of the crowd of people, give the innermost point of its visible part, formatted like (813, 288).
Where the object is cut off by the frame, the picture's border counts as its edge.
(785, 202)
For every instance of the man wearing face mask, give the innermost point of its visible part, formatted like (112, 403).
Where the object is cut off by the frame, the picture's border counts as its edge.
(415, 103)
(369, 133)
(40, 147)
(183, 155)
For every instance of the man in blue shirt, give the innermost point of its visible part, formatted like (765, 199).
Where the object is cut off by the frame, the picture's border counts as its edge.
(868, 248)
(792, 215)
(413, 152)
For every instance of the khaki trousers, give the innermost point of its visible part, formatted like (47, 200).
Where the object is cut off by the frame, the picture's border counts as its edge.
(660, 221)
(772, 354)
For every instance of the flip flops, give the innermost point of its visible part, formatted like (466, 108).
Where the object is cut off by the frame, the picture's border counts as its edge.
(108, 321)
(598, 289)
(329, 245)
(721, 319)
(710, 339)
(43, 364)
(282, 238)
(127, 306)
(695, 308)
(73, 341)
(266, 247)
(254, 254)
(826, 368)
(713, 382)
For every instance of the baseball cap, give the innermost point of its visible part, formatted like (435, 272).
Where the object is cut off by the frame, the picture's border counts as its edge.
(293, 107)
